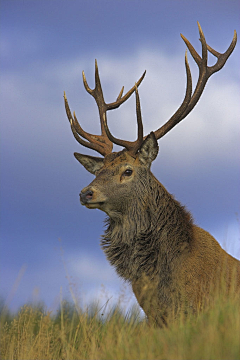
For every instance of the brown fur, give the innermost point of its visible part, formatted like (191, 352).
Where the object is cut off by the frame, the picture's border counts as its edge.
(150, 239)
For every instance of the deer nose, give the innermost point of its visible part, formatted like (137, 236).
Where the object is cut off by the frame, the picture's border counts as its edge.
(85, 196)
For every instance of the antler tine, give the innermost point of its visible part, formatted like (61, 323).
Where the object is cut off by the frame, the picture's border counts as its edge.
(222, 57)
(131, 146)
(205, 72)
(139, 121)
(120, 94)
(121, 99)
(177, 115)
(228, 52)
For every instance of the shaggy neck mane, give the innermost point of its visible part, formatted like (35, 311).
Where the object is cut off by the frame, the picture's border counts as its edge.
(151, 234)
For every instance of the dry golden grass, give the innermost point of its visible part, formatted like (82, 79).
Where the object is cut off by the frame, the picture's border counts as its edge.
(75, 334)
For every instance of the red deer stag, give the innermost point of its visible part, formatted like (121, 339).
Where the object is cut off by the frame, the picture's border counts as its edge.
(151, 239)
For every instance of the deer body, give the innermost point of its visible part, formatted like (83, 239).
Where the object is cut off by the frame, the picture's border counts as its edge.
(151, 240)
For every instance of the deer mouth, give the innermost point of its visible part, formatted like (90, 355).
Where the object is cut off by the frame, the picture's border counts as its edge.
(94, 205)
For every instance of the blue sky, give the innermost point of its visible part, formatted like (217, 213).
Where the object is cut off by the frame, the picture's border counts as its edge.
(48, 239)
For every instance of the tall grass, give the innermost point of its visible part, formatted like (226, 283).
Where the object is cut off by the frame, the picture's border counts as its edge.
(73, 333)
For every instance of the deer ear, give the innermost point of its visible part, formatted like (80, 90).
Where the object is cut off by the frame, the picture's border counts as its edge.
(91, 163)
(148, 150)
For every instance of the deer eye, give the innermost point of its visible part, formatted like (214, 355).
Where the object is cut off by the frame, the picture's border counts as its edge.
(127, 172)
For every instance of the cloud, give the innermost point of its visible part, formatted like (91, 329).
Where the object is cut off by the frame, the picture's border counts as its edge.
(92, 269)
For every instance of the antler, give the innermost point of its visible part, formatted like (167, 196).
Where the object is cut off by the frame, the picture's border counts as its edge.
(190, 100)
(205, 72)
(101, 143)
(104, 143)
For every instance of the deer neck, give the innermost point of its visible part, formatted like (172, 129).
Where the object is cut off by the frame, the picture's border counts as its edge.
(150, 237)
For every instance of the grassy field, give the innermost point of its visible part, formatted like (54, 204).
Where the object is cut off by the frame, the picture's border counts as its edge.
(72, 333)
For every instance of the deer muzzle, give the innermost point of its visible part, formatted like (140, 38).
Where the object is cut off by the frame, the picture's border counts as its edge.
(91, 198)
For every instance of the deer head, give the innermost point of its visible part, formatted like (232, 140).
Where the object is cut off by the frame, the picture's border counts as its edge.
(118, 173)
